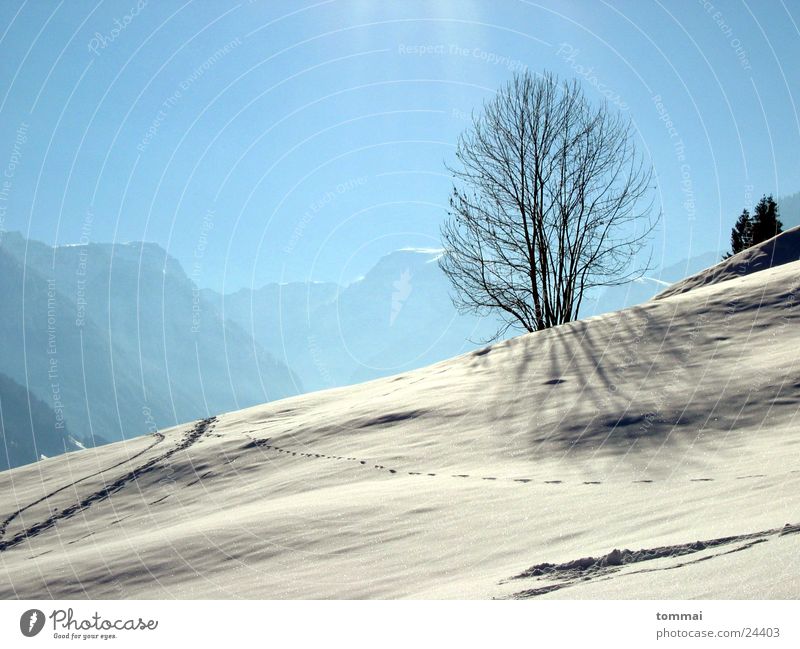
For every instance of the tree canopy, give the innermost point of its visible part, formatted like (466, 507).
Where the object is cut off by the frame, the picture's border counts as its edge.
(550, 200)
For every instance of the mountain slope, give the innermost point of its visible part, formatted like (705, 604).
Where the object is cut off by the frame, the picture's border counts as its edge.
(133, 344)
(280, 318)
(397, 317)
(667, 432)
(789, 207)
(29, 428)
(44, 351)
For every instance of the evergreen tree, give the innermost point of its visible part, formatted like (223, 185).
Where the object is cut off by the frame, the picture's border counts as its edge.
(761, 226)
(741, 234)
(766, 223)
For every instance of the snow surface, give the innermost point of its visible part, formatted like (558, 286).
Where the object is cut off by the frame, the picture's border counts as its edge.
(783, 249)
(667, 432)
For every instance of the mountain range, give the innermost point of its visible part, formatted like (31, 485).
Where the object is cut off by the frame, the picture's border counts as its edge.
(115, 341)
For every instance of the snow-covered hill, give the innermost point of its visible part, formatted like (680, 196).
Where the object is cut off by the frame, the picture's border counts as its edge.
(646, 453)
(783, 249)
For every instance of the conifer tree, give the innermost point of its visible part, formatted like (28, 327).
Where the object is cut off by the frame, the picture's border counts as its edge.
(766, 223)
(752, 230)
(741, 234)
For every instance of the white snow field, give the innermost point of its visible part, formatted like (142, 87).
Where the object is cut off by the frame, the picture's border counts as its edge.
(649, 453)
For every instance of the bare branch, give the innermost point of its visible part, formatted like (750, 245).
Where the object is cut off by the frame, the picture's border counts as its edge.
(550, 200)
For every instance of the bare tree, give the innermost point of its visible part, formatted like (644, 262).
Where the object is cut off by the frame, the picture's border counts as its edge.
(549, 201)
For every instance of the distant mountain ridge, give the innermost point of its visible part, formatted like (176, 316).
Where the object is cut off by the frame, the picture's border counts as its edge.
(397, 317)
(29, 428)
(119, 339)
(789, 209)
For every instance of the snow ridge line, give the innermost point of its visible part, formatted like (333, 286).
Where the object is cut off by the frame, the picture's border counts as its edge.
(581, 570)
(189, 438)
(265, 443)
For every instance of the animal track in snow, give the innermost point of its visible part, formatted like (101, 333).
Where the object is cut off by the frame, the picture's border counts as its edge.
(266, 444)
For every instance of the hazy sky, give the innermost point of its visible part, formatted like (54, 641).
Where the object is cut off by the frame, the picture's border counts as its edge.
(262, 141)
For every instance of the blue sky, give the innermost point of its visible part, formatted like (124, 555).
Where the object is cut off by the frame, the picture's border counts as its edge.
(273, 141)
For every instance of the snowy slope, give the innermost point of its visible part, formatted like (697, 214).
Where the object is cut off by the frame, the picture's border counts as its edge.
(783, 249)
(512, 471)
